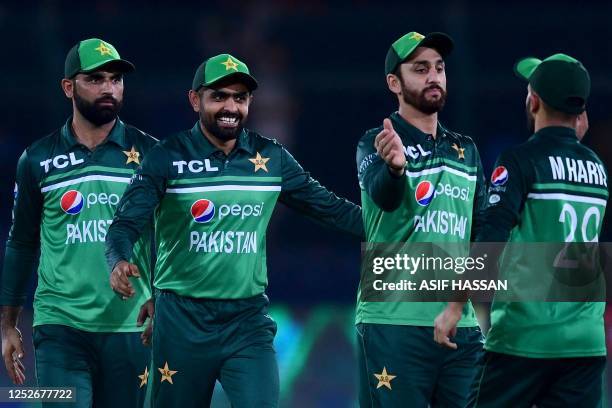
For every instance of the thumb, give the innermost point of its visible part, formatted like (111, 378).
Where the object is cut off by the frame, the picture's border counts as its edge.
(134, 270)
(387, 125)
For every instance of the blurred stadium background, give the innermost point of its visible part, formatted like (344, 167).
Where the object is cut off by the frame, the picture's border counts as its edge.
(320, 68)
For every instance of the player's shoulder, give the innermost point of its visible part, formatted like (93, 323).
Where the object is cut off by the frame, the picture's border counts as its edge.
(262, 143)
(370, 134)
(460, 138)
(137, 136)
(175, 141)
(44, 147)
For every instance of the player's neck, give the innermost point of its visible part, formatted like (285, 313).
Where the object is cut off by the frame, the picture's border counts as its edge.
(544, 122)
(426, 123)
(87, 133)
(226, 146)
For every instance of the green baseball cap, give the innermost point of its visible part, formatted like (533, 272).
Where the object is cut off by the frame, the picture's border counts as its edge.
(222, 67)
(401, 49)
(92, 54)
(560, 80)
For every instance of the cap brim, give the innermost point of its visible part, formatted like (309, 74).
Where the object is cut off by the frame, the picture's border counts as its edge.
(439, 42)
(525, 67)
(118, 65)
(246, 79)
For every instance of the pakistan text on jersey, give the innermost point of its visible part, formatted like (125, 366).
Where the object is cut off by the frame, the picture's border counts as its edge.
(87, 231)
(441, 222)
(229, 242)
(581, 171)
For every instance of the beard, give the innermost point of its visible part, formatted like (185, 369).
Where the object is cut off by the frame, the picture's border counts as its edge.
(210, 123)
(530, 119)
(419, 101)
(95, 112)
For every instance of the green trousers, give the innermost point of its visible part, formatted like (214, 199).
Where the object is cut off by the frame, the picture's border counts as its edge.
(402, 366)
(512, 381)
(199, 341)
(104, 368)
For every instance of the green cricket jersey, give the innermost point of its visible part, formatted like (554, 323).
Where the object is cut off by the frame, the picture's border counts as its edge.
(437, 200)
(548, 189)
(212, 212)
(65, 198)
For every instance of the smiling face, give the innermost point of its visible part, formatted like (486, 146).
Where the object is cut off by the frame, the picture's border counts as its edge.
(222, 110)
(97, 96)
(421, 81)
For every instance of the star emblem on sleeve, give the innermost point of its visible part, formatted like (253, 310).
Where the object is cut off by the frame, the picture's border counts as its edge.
(460, 151)
(230, 64)
(103, 49)
(166, 373)
(384, 379)
(132, 156)
(260, 162)
(144, 377)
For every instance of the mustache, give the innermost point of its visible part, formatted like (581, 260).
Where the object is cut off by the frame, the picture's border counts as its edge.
(107, 99)
(432, 87)
(228, 114)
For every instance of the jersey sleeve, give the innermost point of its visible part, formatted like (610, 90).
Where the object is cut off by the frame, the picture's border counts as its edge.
(508, 188)
(137, 205)
(384, 188)
(306, 195)
(23, 244)
(480, 198)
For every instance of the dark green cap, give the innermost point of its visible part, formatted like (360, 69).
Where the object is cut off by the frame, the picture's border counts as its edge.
(561, 81)
(92, 54)
(401, 49)
(222, 67)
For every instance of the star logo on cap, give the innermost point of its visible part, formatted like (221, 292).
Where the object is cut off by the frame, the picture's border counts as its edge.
(384, 379)
(230, 64)
(132, 156)
(103, 49)
(166, 373)
(460, 151)
(144, 377)
(416, 36)
(260, 162)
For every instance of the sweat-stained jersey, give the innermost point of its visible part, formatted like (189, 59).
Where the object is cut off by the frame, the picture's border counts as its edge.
(65, 199)
(548, 189)
(437, 200)
(212, 212)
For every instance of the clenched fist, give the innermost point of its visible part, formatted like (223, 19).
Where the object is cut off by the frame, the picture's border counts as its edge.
(390, 148)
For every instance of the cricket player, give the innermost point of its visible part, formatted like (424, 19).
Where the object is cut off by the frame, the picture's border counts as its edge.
(420, 182)
(68, 186)
(549, 189)
(213, 189)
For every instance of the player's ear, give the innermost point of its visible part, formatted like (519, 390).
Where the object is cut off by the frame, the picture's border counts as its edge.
(194, 100)
(535, 103)
(68, 87)
(394, 83)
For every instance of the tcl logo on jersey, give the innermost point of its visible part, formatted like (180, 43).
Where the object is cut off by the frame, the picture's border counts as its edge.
(499, 176)
(203, 211)
(425, 192)
(61, 161)
(72, 201)
(415, 152)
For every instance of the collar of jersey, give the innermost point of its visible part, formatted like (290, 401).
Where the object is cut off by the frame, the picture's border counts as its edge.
(404, 128)
(204, 146)
(116, 135)
(558, 132)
